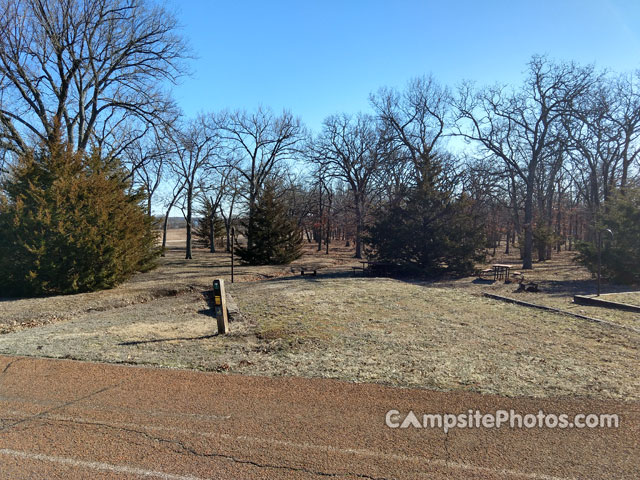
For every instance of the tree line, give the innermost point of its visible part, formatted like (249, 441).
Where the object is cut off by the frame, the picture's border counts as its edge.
(538, 162)
(431, 175)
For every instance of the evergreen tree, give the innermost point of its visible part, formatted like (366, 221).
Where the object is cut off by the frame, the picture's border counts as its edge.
(209, 226)
(67, 224)
(427, 230)
(619, 229)
(275, 237)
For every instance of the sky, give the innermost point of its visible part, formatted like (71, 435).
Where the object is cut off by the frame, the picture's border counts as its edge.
(317, 58)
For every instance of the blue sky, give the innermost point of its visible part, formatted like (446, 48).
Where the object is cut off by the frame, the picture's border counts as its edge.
(316, 58)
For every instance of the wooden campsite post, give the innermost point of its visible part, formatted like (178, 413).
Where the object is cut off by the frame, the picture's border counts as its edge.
(220, 306)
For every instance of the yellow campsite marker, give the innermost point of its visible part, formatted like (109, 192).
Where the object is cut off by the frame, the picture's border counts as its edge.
(220, 306)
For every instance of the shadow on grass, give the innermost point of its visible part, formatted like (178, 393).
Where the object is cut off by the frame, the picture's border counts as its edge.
(232, 312)
(320, 276)
(483, 281)
(208, 296)
(583, 287)
(552, 288)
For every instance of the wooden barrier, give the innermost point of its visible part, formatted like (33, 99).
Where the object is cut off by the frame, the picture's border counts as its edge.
(601, 302)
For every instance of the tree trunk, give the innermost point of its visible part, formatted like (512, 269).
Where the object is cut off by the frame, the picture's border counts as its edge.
(188, 255)
(321, 211)
(166, 221)
(164, 230)
(527, 254)
(212, 236)
(252, 208)
(328, 226)
(326, 242)
(560, 231)
(358, 227)
(514, 206)
(227, 223)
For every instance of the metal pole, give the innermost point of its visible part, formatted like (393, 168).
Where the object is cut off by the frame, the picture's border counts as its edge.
(233, 235)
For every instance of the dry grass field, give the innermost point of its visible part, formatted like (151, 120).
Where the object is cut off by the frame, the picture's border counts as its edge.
(630, 298)
(440, 335)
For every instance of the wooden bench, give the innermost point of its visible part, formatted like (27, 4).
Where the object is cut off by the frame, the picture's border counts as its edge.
(313, 271)
(484, 273)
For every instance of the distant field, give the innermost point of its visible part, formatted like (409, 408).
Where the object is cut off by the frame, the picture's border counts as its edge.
(441, 335)
(175, 236)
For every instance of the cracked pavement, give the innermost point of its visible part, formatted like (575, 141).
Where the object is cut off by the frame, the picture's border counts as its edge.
(69, 419)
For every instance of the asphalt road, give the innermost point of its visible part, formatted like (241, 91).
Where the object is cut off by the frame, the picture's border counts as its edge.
(78, 420)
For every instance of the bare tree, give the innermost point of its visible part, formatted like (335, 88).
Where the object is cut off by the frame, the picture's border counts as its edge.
(171, 199)
(349, 148)
(604, 133)
(146, 160)
(626, 117)
(415, 121)
(89, 68)
(491, 187)
(195, 146)
(546, 184)
(228, 204)
(520, 128)
(261, 142)
(215, 187)
(3, 161)
(297, 195)
(322, 194)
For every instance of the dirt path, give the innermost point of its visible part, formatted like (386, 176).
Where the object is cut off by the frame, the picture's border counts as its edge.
(67, 419)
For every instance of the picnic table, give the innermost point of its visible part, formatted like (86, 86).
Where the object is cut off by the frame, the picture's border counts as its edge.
(501, 271)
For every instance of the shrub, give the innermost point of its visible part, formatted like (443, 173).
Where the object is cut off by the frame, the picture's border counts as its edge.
(68, 224)
(203, 230)
(427, 231)
(621, 248)
(274, 237)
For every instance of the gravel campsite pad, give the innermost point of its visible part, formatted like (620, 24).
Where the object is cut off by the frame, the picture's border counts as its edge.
(356, 329)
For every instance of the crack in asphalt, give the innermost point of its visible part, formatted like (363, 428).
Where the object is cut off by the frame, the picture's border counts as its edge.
(8, 366)
(104, 407)
(185, 448)
(58, 407)
(2, 374)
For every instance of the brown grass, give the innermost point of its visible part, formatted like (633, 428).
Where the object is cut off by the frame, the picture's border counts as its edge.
(440, 335)
(630, 298)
